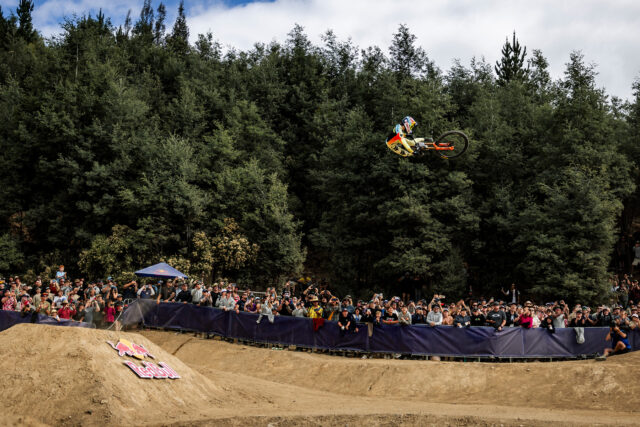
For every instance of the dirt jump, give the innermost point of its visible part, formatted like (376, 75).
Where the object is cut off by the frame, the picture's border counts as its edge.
(71, 376)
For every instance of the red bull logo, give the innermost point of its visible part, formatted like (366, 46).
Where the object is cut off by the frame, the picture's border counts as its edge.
(148, 370)
(128, 348)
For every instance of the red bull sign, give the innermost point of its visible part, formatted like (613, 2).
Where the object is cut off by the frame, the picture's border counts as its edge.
(148, 370)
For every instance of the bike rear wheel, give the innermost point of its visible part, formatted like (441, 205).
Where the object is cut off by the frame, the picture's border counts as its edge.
(454, 138)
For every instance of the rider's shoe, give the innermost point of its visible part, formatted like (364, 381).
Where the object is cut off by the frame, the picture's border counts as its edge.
(428, 139)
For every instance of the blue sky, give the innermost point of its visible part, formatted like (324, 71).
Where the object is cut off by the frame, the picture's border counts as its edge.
(607, 33)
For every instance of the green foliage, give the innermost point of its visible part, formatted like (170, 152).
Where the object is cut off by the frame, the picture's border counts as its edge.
(119, 254)
(25, 28)
(231, 251)
(11, 257)
(511, 65)
(178, 41)
(126, 146)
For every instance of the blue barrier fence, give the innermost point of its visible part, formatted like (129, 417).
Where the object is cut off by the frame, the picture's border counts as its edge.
(10, 318)
(414, 339)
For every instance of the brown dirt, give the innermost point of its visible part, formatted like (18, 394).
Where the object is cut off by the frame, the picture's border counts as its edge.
(70, 376)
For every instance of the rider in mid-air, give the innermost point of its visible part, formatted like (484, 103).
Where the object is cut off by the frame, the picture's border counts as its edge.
(403, 142)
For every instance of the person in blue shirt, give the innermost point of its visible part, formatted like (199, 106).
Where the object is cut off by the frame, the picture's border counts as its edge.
(61, 274)
(619, 339)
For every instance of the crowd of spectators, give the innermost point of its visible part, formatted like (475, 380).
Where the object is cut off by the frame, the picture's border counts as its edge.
(97, 303)
(100, 302)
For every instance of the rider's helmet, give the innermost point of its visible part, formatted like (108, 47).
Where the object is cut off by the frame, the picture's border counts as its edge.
(408, 123)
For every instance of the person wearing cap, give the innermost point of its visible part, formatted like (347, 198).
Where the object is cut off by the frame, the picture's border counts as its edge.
(300, 310)
(511, 315)
(418, 318)
(634, 321)
(346, 322)
(196, 293)
(333, 309)
(496, 317)
(66, 312)
(605, 318)
(129, 290)
(80, 313)
(315, 311)
(477, 317)
(558, 318)
(225, 301)
(146, 291)
(447, 318)
(619, 339)
(462, 319)
(579, 321)
(434, 317)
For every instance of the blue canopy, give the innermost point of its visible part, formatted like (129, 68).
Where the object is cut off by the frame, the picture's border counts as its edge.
(160, 270)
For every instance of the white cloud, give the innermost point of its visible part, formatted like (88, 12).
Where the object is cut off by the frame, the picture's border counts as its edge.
(48, 16)
(607, 33)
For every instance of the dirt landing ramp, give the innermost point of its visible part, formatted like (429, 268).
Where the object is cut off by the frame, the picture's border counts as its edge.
(71, 376)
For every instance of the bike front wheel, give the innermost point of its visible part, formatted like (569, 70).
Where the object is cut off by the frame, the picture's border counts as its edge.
(457, 140)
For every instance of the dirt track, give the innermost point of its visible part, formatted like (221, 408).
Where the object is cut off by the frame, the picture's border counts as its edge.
(70, 376)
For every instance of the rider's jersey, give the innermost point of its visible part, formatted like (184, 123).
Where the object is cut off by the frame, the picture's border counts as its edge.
(401, 143)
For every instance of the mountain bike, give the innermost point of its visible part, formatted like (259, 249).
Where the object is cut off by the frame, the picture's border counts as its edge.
(449, 145)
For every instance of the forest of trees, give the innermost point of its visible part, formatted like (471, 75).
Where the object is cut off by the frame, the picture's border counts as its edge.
(124, 146)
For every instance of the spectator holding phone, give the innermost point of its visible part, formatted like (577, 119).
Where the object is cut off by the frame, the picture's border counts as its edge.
(146, 292)
(619, 339)
(496, 317)
(462, 319)
(525, 320)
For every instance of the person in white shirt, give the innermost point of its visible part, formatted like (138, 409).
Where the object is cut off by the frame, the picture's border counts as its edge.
(434, 318)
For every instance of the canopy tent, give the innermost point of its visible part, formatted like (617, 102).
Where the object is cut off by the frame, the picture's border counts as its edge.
(162, 269)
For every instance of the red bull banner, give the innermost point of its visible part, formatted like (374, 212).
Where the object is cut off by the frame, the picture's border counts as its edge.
(148, 369)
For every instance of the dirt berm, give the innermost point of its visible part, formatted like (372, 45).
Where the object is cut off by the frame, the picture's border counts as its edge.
(70, 376)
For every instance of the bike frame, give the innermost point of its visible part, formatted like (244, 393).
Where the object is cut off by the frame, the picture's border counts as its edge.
(433, 146)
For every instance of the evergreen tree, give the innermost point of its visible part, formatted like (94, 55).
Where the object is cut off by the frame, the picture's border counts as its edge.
(407, 59)
(144, 26)
(160, 27)
(25, 28)
(539, 77)
(511, 65)
(178, 41)
(5, 29)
